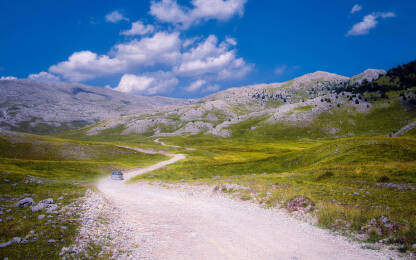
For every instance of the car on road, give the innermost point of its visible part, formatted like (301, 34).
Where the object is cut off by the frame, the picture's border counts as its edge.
(117, 176)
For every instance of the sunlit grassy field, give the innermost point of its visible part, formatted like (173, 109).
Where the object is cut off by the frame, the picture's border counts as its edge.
(340, 175)
(344, 173)
(66, 169)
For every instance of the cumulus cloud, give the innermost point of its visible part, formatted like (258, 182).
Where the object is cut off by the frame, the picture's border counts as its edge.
(196, 85)
(86, 65)
(161, 48)
(115, 17)
(231, 41)
(356, 8)
(160, 82)
(369, 22)
(202, 61)
(211, 57)
(208, 58)
(169, 11)
(43, 76)
(138, 28)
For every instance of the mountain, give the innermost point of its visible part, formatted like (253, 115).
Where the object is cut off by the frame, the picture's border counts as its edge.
(44, 107)
(318, 104)
(312, 103)
(368, 75)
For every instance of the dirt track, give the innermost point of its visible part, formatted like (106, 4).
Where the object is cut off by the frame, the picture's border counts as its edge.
(173, 224)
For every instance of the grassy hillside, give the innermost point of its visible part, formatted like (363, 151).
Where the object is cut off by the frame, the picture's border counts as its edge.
(381, 119)
(43, 167)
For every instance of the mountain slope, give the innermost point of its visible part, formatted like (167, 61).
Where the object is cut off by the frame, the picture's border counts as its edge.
(297, 103)
(40, 107)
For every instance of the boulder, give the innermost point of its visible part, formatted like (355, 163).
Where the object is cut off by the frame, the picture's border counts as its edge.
(47, 201)
(300, 203)
(382, 226)
(25, 202)
(51, 208)
(38, 207)
(14, 240)
(45, 204)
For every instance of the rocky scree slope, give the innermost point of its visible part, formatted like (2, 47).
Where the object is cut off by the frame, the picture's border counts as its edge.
(297, 101)
(39, 107)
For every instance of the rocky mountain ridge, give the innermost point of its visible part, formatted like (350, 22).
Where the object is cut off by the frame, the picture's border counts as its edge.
(33, 106)
(40, 107)
(297, 101)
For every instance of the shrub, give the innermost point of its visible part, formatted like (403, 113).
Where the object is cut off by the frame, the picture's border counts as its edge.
(325, 175)
(383, 178)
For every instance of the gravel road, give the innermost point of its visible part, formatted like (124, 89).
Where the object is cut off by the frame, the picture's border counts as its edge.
(175, 224)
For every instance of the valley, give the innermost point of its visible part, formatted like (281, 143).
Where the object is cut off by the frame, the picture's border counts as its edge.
(335, 152)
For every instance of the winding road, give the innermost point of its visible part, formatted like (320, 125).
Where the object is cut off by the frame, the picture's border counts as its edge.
(175, 224)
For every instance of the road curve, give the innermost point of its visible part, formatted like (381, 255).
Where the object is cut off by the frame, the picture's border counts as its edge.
(173, 224)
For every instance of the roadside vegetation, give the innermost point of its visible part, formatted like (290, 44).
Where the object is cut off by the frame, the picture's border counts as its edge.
(40, 167)
(350, 180)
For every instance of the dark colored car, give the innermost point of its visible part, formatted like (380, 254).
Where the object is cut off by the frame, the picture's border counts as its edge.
(117, 176)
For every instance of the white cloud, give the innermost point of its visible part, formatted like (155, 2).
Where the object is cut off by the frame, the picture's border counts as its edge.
(158, 83)
(7, 78)
(196, 85)
(115, 17)
(85, 65)
(138, 28)
(209, 57)
(169, 11)
(161, 48)
(356, 8)
(190, 41)
(386, 14)
(369, 22)
(231, 41)
(280, 70)
(43, 76)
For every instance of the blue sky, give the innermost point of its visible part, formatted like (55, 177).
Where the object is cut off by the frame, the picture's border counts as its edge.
(193, 48)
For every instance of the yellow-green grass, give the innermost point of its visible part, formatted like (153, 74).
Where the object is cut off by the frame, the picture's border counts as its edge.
(115, 136)
(382, 119)
(328, 172)
(67, 168)
(25, 221)
(310, 159)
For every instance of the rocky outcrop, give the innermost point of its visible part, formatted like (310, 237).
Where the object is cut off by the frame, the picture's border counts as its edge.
(25, 202)
(25, 104)
(369, 75)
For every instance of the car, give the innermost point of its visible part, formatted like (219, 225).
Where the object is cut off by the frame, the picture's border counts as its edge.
(117, 176)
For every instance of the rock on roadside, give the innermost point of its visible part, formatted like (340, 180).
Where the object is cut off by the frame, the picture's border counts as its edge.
(14, 240)
(25, 202)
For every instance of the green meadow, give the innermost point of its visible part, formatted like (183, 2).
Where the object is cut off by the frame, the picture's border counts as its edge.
(65, 168)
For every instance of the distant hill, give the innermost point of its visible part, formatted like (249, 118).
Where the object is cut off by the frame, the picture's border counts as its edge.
(46, 107)
(315, 105)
